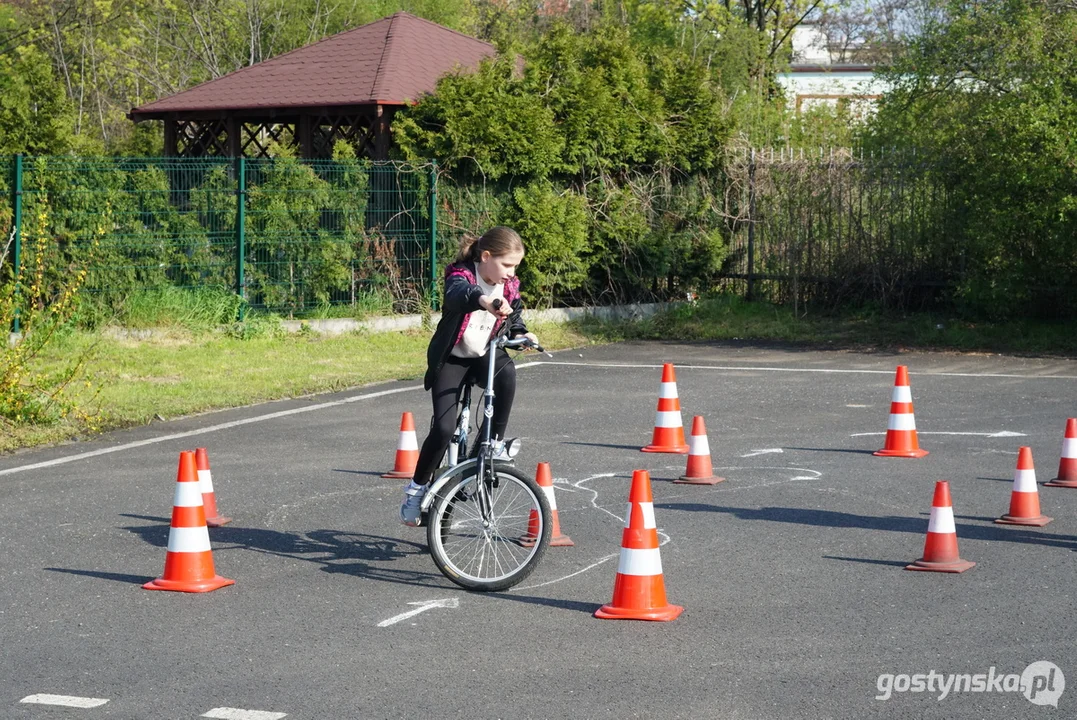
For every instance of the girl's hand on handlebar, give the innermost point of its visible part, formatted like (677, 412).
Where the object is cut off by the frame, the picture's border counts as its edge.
(533, 339)
(495, 306)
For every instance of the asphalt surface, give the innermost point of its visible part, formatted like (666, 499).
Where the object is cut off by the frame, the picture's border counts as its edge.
(790, 572)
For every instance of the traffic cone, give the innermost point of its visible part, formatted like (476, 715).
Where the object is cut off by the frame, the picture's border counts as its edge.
(205, 483)
(545, 481)
(639, 592)
(189, 562)
(940, 548)
(1025, 498)
(699, 470)
(901, 430)
(407, 450)
(1067, 466)
(668, 429)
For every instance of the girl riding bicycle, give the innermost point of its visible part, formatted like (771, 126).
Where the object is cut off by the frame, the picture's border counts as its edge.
(481, 292)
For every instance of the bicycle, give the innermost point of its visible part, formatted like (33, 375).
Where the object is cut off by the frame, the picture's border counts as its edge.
(487, 523)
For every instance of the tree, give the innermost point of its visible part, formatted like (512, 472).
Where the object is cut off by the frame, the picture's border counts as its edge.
(990, 91)
(35, 115)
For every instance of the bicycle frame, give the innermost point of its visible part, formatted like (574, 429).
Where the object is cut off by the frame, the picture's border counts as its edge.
(483, 458)
(459, 438)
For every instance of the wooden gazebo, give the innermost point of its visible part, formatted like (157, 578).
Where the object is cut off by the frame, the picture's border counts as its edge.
(345, 87)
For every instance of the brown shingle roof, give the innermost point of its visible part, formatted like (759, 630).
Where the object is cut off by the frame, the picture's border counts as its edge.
(390, 61)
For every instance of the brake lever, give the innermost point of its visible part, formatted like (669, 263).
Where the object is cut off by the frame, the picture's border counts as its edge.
(496, 305)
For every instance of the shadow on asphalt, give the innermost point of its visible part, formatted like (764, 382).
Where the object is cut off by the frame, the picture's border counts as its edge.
(371, 473)
(584, 607)
(830, 518)
(336, 551)
(869, 561)
(835, 450)
(118, 577)
(605, 445)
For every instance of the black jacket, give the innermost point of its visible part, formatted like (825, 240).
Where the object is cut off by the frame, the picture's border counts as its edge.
(461, 299)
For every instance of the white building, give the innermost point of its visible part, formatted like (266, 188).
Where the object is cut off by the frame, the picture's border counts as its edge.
(813, 79)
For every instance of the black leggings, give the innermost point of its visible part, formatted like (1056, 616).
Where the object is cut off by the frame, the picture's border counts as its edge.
(445, 392)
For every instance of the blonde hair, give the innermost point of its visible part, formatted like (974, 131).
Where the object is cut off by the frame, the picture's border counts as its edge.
(498, 241)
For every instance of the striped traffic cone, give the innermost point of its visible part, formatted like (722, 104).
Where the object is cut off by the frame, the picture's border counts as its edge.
(1067, 465)
(407, 450)
(189, 562)
(205, 484)
(545, 480)
(668, 429)
(1025, 498)
(699, 470)
(940, 548)
(901, 430)
(639, 593)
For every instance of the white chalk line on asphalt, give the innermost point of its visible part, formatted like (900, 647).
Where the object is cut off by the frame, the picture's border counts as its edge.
(208, 429)
(227, 713)
(424, 605)
(219, 426)
(579, 485)
(594, 497)
(535, 363)
(64, 700)
(836, 371)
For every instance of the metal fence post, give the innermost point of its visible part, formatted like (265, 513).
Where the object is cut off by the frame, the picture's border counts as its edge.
(433, 234)
(751, 227)
(16, 229)
(241, 230)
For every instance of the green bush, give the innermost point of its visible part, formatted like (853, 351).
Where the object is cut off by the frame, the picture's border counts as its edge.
(554, 226)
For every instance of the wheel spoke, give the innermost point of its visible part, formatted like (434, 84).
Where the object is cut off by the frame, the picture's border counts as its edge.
(486, 552)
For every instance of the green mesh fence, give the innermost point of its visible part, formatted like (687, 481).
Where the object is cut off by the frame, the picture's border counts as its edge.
(290, 236)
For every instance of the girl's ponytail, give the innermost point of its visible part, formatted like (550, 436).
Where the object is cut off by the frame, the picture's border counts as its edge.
(498, 241)
(467, 242)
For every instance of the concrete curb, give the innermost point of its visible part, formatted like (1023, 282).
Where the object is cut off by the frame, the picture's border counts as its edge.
(338, 326)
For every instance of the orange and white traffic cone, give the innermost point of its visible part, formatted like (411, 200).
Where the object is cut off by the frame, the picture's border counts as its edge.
(639, 592)
(901, 438)
(407, 450)
(940, 548)
(699, 470)
(1025, 498)
(668, 434)
(545, 481)
(189, 562)
(1067, 465)
(205, 483)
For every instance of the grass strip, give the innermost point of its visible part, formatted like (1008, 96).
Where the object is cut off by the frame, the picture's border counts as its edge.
(183, 372)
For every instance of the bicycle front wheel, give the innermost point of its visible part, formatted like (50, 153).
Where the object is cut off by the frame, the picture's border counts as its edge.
(495, 550)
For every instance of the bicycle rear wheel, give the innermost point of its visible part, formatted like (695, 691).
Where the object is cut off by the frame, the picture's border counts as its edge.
(491, 553)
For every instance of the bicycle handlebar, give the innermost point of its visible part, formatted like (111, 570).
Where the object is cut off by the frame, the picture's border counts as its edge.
(520, 342)
(515, 343)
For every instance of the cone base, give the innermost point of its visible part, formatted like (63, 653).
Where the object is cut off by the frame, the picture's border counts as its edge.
(707, 480)
(678, 449)
(955, 566)
(900, 453)
(1038, 521)
(1058, 482)
(400, 474)
(661, 614)
(190, 586)
(217, 521)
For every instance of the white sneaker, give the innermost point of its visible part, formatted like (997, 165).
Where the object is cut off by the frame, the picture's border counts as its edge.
(411, 509)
